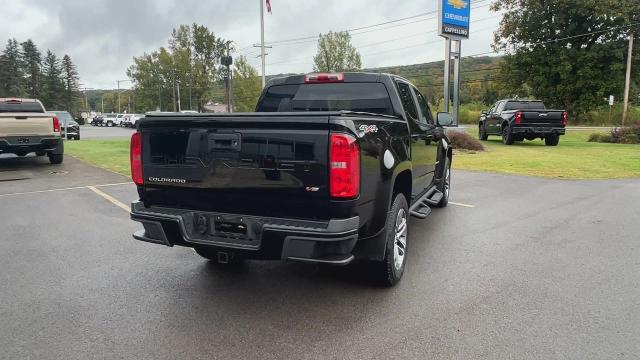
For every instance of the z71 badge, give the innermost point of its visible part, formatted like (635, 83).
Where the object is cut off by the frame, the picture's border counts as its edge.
(367, 129)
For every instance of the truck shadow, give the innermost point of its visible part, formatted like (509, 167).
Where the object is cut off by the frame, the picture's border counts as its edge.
(536, 142)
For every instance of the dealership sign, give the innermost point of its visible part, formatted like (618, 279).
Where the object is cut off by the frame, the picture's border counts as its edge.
(453, 18)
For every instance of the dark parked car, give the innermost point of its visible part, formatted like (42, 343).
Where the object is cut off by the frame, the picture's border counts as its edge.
(328, 170)
(516, 120)
(69, 127)
(97, 120)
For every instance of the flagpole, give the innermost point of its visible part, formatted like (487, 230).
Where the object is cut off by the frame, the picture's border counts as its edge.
(262, 38)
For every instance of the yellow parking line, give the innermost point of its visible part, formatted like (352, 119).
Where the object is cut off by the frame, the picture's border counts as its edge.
(461, 204)
(110, 198)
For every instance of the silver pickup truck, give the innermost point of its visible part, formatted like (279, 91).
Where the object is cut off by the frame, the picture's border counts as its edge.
(26, 127)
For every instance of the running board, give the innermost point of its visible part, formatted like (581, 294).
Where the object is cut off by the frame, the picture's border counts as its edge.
(422, 208)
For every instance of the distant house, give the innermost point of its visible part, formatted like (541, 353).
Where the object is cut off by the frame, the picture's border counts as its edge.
(215, 107)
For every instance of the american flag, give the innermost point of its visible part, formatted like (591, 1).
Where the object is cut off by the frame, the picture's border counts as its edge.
(269, 6)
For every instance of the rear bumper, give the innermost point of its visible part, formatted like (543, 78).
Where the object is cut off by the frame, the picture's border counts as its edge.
(20, 144)
(538, 130)
(330, 242)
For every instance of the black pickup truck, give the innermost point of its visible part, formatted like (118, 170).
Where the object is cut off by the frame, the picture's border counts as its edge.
(327, 170)
(516, 120)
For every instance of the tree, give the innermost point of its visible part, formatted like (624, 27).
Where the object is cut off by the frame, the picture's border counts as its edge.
(190, 63)
(563, 51)
(11, 75)
(53, 85)
(336, 53)
(247, 85)
(71, 84)
(32, 69)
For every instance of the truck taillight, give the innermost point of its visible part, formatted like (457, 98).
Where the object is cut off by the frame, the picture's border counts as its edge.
(136, 158)
(518, 118)
(56, 124)
(324, 78)
(564, 118)
(344, 166)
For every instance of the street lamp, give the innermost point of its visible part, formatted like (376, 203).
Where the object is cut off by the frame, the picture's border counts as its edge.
(119, 81)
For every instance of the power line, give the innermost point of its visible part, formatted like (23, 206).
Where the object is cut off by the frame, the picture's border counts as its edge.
(312, 38)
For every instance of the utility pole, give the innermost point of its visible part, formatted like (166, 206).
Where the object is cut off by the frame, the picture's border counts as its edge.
(102, 101)
(627, 83)
(227, 61)
(179, 108)
(262, 39)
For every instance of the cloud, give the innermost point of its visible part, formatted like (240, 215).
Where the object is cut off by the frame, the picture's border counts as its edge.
(102, 36)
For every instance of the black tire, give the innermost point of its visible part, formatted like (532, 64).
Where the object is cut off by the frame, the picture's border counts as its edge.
(507, 136)
(212, 255)
(482, 132)
(445, 184)
(552, 139)
(56, 159)
(77, 137)
(109, 124)
(389, 271)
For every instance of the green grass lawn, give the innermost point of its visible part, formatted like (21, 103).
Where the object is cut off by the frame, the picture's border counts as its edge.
(573, 158)
(112, 155)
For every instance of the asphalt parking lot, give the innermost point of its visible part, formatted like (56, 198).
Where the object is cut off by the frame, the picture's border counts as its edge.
(104, 133)
(518, 268)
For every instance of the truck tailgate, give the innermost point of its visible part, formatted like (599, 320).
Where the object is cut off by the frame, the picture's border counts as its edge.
(258, 165)
(542, 118)
(26, 124)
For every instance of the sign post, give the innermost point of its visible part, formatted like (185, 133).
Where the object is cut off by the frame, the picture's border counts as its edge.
(453, 25)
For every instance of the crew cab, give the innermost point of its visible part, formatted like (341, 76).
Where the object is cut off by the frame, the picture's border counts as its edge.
(516, 120)
(327, 170)
(26, 127)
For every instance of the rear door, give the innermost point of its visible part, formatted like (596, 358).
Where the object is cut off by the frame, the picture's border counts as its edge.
(420, 152)
(427, 126)
(495, 119)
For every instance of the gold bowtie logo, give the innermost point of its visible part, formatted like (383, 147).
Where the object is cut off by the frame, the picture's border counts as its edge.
(458, 4)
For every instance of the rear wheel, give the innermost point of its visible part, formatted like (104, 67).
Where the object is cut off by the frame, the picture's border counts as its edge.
(77, 137)
(552, 139)
(482, 133)
(389, 271)
(507, 136)
(56, 158)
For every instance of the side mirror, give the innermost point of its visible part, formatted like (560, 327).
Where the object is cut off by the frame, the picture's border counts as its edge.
(444, 119)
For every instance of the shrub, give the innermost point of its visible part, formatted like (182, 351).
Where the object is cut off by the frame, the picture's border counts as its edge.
(625, 135)
(594, 137)
(462, 140)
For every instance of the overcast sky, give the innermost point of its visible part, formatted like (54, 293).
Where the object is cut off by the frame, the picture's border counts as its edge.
(102, 36)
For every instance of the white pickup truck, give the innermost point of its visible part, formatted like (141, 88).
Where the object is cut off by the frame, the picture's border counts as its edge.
(26, 127)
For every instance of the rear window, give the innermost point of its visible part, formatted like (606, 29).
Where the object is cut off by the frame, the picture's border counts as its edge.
(17, 107)
(364, 97)
(524, 105)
